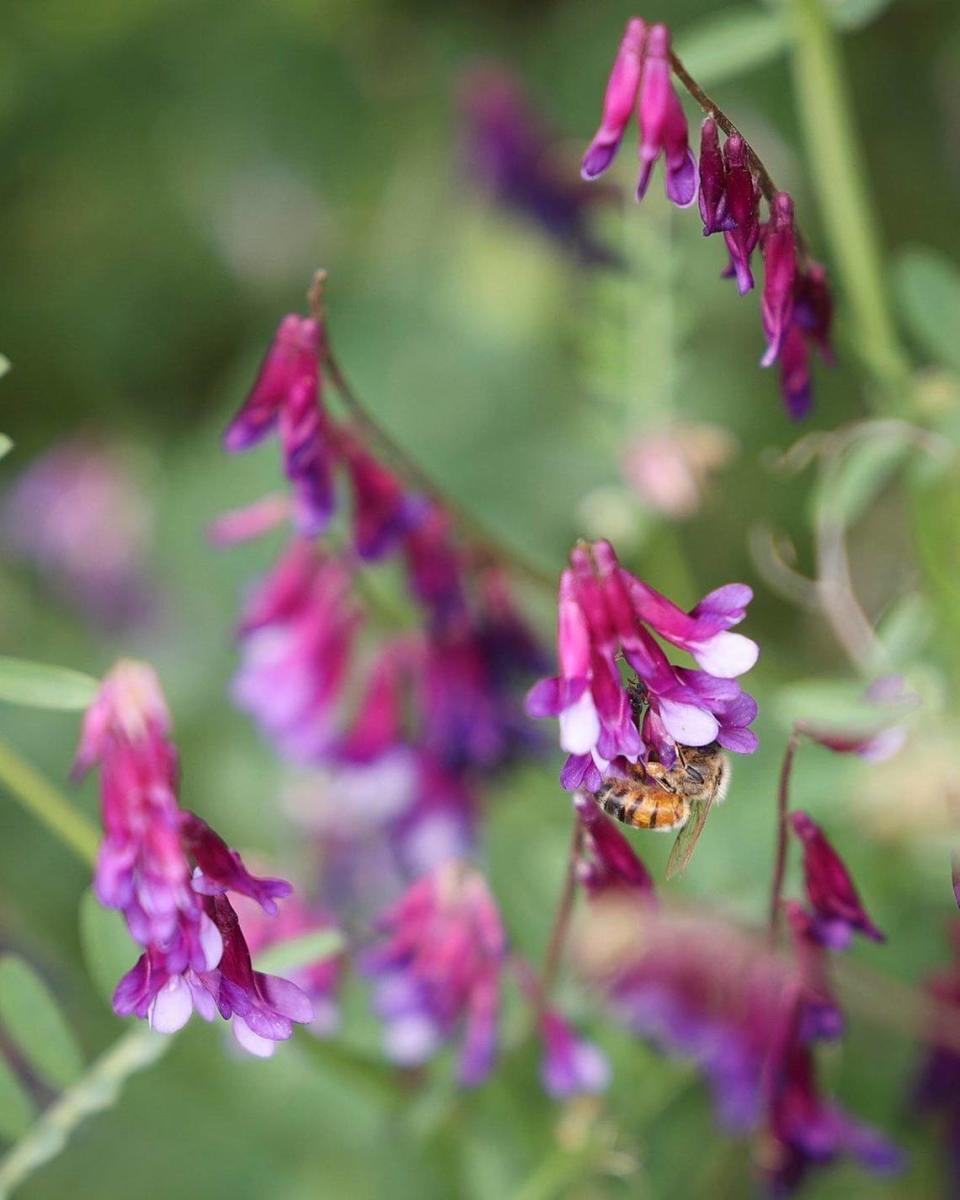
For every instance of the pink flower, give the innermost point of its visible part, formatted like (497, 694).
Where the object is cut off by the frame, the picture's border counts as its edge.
(619, 101)
(288, 392)
(571, 1065)
(438, 968)
(383, 511)
(663, 127)
(838, 909)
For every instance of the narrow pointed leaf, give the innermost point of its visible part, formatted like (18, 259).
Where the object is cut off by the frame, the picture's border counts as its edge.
(32, 1020)
(6, 445)
(688, 837)
(299, 952)
(39, 685)
(107, 949)
(16, 1107)
(927, 288)
(732, 42)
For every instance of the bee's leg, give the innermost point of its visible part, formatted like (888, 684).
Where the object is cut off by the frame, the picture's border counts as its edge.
(661, 775)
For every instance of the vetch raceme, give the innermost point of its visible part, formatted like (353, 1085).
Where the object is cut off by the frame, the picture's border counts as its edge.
(603, 610)
(640, 82)
(437, 970)
(169, 874)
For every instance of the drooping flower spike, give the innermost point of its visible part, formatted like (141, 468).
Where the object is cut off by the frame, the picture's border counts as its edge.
(604, 610)
(640, 80)
(169, 874)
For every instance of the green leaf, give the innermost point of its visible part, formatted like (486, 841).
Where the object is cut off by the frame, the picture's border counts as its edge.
(16, 1107)
(107, 949)
(299, 952)
(32, 1020)
(854, 14)
(836, 704)
(688, 836)
(928, 294)
(39, 685)
(866, 469)
(6, 445)
(732, 43)
(4, 365)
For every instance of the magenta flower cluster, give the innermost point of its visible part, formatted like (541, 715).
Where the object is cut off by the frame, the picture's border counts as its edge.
(796, 305)
(170, 875)
(604, 611)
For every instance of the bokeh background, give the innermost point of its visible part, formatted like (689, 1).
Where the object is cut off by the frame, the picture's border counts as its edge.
(172, 175)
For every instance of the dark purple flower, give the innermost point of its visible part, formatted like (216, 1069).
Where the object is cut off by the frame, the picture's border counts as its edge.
(510, 154)
(663, 127)
(604, 610)
(742, 211)
(936, 1092)
(435, 567)
(168, 872)
(873, 739)
(713, 182)
(306, 453)
(821, 1018)
(839, 912)
(438, 969)
(779, 276)
(795, 382)
(619, 101)
(297, 636)
(571, 1065)
(607, 862)
(384, 512)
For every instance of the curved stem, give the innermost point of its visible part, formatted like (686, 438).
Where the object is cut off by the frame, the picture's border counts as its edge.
(561, 918)
(40, 798)
(487, 550)
(783, 810)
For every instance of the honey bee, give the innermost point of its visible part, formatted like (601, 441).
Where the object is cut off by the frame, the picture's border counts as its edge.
(653, 796)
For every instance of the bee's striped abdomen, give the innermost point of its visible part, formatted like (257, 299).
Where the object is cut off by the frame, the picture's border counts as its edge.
(643, 807)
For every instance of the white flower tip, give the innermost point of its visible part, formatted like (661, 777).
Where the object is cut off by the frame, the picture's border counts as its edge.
(253, 1043)
(171, 1007)
(727, 655)
(579, 726)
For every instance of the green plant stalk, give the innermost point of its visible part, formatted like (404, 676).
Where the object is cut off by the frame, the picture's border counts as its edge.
(839, 175)
(96, 1090)
(44, 801)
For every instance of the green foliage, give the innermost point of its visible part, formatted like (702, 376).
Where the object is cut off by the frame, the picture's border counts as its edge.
(732, 42)
(39, 685)
(32, 1020)
(16, 1107)
(6, 445)
(294, 953)
(108, 950)
(928, 291)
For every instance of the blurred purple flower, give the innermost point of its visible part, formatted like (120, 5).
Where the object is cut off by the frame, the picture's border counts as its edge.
(438, 970)
(288, 392)
(779, 276)
(250, 522)
(838, 910)
(936, 1092)
(571, 1065)
(509, 154)
(80, 516)
(297, 636)
(383, 510)
(168, 872)
(603, 609)
(873, 740)
(608, 863)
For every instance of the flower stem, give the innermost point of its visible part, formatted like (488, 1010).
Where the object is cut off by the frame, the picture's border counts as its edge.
(487, 550)
(561, 918)
(783, 809)
(44, 801)
(839, 176)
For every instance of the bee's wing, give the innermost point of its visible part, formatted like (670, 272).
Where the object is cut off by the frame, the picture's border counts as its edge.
(688, 836)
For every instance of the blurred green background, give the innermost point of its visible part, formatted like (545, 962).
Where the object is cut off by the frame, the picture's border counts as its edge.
(172, 175)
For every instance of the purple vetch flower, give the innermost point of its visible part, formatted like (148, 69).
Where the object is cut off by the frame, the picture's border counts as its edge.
(383, 510)
(936, 1093)
(80, 515)
(435, 567)
(742, 210)
(821, 1018)
(713, 182)
(250, 522)
(604, 610)
(619, 101)
(663, 127)
(297, 637)
(168, 872)
(839, 912)
(437, 970)
(779, 276)
(571, 1066)
(288, 393)
(809, 326)
(607, 862)
(510, 154)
